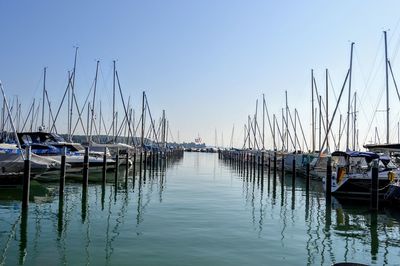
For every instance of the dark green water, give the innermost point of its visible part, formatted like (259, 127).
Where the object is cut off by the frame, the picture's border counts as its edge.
(199, 211)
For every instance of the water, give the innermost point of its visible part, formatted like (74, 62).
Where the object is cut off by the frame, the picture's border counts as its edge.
(199, 211)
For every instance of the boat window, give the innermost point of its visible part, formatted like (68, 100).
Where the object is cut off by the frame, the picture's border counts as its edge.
(26, 139)
(359, 163)
(390, 165)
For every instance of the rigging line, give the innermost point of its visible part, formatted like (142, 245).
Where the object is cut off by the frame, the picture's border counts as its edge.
(361, 69)
(301, 128)
(280, 134)
(334, 112)
(50, 111)
(62, 100)
(151, 119)
(361, 106)
(374, 114)
(170, 132)
(373, 71)
(397, 45)
(123, 103)
(333, 89)
(83, 107)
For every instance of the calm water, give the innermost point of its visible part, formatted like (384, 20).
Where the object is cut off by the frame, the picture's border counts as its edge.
(199, 211)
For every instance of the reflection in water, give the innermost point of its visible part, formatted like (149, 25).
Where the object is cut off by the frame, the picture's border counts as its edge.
(326, 241)
(23, 236)
(99, 227)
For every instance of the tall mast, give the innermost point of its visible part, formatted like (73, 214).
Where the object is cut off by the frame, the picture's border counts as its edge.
(143, 110)
(72, 95)
(263, 124)
(164, 128)
(387, 89)
(94, 101)
(312, 112)
(349, 97)
(255, 124)
(327, 107)
(44, 91)
(286, 123)
(113, 113)
(319, 123)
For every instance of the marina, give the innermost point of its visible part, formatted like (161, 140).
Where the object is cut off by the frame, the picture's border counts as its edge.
(200, 133)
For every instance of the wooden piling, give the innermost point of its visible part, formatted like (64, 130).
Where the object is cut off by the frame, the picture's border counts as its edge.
(375, 186)
(62, 173)
(283, 168)
(140, 162)
(116, 166)
(293, 172)
(85, 179)
(104, 170)
(254, 164)
(274, 165)
(134, 164)
(328, 180)
(27, 178)
(307, 178)
(126, 166)
(262, 164)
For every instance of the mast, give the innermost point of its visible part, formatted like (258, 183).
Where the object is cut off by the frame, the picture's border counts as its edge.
(327, 105)
(387, 89)
(113, 112)
(164, 129)
(255, 124)
(143, 110)
(94, 101)
(72, 95)
(44, 92)
(263, 124)
(320, 123)
(312, 112)
(286, 123)
(349, 97)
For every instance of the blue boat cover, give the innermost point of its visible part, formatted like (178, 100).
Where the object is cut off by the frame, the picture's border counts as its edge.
(366, 154)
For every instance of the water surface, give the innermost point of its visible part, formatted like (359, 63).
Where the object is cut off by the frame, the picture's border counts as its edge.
(196, 211)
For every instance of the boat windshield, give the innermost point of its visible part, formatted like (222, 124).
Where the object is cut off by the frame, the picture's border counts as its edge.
(387, 164)
(358, 163)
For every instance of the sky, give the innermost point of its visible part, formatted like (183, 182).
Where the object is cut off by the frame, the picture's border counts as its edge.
(205, 62)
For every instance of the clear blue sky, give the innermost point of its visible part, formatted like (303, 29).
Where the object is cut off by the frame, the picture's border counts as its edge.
(205, 62)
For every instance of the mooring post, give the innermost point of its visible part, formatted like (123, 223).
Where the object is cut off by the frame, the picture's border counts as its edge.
(157, 159)
(375, 186)
(134, 164)
(262, 164)
(126, 166)
(274, 165)
(254, 164)
(283, 171)
(62, 173)
(307, 178)
(27, 178)
(140, 161)
(328, 181)
(269, 165)
(294, 171)
(116, 166)
(145, 160)
(85, 179)
(258, 165)
(247, 164)
(104, 172)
